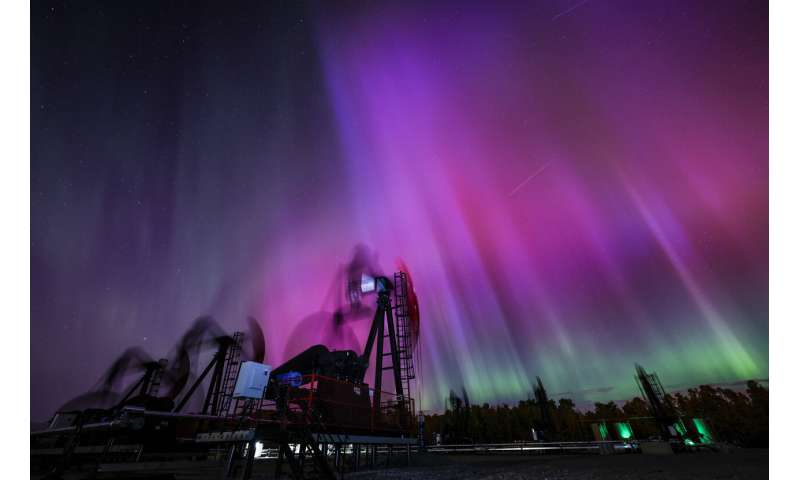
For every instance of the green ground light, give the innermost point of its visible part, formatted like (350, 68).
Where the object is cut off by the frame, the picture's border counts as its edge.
(680, 427)
(624, 430)
(603, 431)
(702, 429)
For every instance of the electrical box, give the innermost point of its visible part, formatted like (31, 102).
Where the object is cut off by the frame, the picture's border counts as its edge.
(252, 380)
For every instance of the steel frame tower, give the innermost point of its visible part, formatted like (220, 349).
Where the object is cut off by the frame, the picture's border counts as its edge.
(383, 327)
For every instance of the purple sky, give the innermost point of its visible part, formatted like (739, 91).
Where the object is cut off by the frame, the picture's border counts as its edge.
(575, 186)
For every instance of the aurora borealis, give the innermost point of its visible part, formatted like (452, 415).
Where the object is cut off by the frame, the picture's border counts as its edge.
(575, 186)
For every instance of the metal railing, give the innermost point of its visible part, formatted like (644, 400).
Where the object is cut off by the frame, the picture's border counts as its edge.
(343, 404)
(532, 447)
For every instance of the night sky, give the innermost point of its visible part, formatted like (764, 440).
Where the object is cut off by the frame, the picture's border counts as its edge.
(574, 185)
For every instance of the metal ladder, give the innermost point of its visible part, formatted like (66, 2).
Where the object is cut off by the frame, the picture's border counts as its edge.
(232, 362)
(404, 341)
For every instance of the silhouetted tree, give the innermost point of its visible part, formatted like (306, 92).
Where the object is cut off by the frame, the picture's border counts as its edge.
(740, 418)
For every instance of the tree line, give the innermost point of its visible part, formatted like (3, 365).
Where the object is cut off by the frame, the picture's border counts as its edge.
(736, 417)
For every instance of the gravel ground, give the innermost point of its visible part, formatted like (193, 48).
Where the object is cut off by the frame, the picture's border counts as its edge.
(743, 464)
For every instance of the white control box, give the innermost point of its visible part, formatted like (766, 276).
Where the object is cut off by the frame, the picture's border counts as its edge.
(252, 380)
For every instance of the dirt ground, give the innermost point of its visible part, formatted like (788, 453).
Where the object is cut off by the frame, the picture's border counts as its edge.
(738, 465)
(741, 464)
